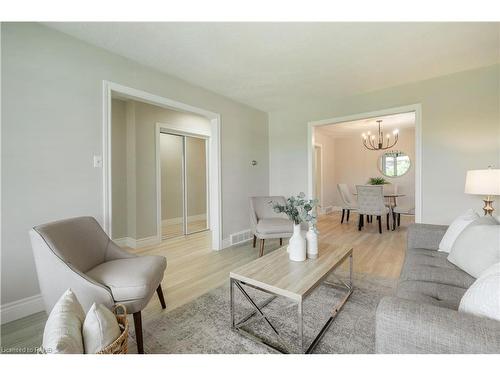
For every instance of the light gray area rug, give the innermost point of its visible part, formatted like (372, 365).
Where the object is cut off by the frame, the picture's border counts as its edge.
(203, 325)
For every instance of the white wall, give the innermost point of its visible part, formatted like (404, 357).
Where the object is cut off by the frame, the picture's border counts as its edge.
(353, 164)
(460, 131)
(52, 127)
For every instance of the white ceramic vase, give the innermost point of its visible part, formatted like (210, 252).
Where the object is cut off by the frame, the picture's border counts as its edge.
(297, 245)
(312, 243)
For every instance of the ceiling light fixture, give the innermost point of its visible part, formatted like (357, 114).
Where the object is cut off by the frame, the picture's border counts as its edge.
(374, 143)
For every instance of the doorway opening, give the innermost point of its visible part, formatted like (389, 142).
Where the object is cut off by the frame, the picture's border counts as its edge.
(132, 216)
(183, 183)
(349, 162)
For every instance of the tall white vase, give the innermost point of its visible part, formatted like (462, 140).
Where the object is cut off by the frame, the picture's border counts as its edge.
(297, 245)
(312, 243)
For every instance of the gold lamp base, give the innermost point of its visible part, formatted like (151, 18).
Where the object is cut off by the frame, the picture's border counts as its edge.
(488, 206)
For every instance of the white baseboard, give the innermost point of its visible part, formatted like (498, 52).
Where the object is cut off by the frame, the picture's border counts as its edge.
(134, 244)
(174, 220)
(325, 210)
(330, 209)
(146, 241)
(178, 220)
(19, 309)
(226, 242)
(123, 242)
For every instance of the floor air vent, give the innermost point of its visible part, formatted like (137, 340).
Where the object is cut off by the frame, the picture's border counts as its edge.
(240, 237)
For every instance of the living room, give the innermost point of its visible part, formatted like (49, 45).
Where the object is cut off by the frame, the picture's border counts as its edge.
(270, 238)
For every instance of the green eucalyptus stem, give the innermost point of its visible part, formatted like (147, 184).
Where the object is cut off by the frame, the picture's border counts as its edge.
(298, 209)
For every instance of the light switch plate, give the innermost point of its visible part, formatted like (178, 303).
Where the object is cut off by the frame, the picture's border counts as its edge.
(97, 161)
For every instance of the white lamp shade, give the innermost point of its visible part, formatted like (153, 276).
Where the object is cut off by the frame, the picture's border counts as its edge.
(483, 182)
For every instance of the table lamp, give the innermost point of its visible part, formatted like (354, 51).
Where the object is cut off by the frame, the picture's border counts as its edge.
(484, 182)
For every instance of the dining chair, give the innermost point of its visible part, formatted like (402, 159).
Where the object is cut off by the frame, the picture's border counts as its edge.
(401, 210)
(371, 203)
(348, 201)
(76, 253)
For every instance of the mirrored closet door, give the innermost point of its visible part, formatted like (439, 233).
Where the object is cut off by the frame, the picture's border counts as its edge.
(184, 202)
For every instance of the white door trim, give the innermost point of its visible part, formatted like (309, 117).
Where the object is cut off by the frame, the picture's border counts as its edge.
(417, 108)
(215, 153)
(321, 200)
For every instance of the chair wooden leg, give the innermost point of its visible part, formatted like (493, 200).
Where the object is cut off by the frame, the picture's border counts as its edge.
(342, 220)
(393, 220)
(399, 220)
(261, 252)
(360, 222)
(379, 219)
(281, 241)
(159, 291)
(138, 332)
(254, 240)
(348, 213)
(388, 228)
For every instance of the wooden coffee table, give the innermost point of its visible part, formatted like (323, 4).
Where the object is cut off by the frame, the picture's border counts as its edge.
(278, 276)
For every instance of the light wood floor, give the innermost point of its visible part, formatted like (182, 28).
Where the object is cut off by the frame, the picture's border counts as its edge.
(194, 269)
(176, 230)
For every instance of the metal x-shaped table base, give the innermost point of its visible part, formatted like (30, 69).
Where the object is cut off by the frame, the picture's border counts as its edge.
(258, 314)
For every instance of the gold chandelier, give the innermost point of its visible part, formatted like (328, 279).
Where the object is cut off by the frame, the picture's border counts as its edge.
(376, 142)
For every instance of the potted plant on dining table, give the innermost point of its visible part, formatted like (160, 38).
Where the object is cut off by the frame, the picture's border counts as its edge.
(300, 210)
(378, 181)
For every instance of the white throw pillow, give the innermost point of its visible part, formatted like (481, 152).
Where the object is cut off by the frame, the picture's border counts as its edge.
(483, 297)
(63, 330)
(455, 228)
(477, 247)
(100, 329)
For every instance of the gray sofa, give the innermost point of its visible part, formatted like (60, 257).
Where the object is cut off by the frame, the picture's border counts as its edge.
(423, 316)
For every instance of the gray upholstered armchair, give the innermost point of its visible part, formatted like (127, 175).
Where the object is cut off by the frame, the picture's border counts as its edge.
(266, 223)
(76, 253)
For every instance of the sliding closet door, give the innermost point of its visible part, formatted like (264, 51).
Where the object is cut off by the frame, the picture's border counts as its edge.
(172, 185)
(196, 184)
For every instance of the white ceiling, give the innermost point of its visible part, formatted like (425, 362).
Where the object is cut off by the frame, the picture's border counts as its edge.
(399, 121)
(274, 65)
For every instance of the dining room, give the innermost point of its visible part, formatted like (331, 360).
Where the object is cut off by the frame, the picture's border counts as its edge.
(365, 170)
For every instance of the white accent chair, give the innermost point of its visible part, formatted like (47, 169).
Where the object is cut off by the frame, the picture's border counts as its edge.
(266, 223)
(76, 253)
(371, 203)
(348, 201)
(401, 210)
